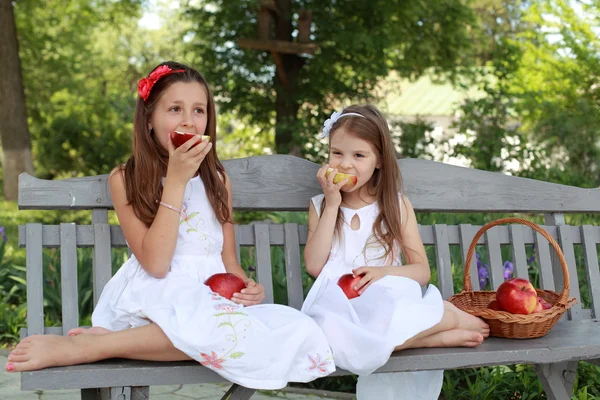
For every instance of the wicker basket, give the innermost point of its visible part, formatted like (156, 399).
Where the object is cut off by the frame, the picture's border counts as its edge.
(504, 324)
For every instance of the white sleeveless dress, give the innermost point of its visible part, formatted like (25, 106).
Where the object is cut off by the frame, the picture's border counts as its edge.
(364, 331)
(260, 347)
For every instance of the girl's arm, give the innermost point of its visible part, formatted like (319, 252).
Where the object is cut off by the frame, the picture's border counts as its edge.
(320, 238)
(417, 265)
(153, 247)
(254, 293)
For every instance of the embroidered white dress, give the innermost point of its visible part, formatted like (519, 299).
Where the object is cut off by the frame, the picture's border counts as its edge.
(261, 347)
(364, 331)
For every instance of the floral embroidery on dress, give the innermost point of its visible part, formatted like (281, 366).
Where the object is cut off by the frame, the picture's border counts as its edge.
(318, 365)
(188, 219)
(228, 310)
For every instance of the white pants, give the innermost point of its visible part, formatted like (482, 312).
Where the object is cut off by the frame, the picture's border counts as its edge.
(422, 385)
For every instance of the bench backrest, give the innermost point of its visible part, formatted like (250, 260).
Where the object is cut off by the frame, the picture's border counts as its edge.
(286, 183)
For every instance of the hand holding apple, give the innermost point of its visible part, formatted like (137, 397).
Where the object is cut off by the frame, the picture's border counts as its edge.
(347, 283)
(225, 284)
(179, 138)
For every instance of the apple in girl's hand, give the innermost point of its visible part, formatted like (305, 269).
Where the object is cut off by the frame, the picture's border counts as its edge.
(225, 284)
(179, 138)
(347, 282)
(517, 296)
(352, 179)
(494, 305)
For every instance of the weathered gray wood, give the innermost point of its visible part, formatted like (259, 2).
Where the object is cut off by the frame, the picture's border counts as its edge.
(68, 277)
(293, 267)
(101, 258)
(496, 270)
(119, 393)
(237, 243)
(544, 258)
(35, 279)
(237, 392)
(140, 393)
(264, 271)
(590, 255)
(466, 234)
(566, 243)
(443, 260)
(583, 343)
(283, 182)
(518, 251)
(557, 379)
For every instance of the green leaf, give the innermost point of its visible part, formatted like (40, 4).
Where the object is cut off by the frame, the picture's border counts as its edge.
(236, 355)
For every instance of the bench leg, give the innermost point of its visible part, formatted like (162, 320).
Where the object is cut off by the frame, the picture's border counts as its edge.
(237, 392)
(557, 379)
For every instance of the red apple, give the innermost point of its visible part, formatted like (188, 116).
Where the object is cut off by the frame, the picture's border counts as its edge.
(225, 284)
(179, 138)
(517, 296)
(494, 305)
(545, 305)
(347, 282)
(538, 307)
(352, 179)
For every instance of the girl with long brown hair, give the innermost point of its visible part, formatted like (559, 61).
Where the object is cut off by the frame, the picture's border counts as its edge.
(360, 229)
(174, 206)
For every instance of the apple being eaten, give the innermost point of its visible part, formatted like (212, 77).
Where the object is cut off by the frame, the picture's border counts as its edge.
(225, 284)
(517, 296)
(179, 138)
(347, 283)
(352, 179)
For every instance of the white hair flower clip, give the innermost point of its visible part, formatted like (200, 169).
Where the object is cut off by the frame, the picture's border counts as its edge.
(333, 119)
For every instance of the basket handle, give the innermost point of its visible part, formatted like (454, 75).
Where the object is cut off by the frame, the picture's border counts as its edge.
(467, 271)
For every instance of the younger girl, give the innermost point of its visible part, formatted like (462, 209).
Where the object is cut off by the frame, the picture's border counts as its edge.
(174, 206)
(364, 230)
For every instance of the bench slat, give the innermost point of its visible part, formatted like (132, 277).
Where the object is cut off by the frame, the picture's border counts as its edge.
(518, 251)
(583, 343)
(237, 243)
(293, 267)
(544, 259)
(443, 260)
(263, 260)
(566, 242)
(590, 252)
(496, 269)
(466, 233)
(68, 277)
(101, 253)
(35, 278)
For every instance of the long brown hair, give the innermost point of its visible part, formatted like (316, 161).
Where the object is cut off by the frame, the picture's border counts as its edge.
(148, 163)
(386, 182)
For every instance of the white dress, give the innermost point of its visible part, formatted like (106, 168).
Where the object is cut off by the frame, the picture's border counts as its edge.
(364, 331)
(260, 347)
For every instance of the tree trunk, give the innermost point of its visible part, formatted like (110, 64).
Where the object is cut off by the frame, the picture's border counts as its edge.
(288, 66)
(14, 133)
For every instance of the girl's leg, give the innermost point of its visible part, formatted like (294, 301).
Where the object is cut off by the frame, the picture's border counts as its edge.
(41, 351)
(458, 327)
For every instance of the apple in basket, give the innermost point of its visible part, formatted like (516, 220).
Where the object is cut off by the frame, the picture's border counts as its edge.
(347, 282)
(352, 179)
(541, 305)
(494, 305)
(225, 284)
(179, 138)
(517, 296)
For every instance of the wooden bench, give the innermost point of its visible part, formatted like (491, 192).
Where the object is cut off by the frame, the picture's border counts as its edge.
(286, 183)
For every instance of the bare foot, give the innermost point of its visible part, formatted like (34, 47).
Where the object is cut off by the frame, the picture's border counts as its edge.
(468, 322)
(42, 351)
(96, 330)
(451, 338)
